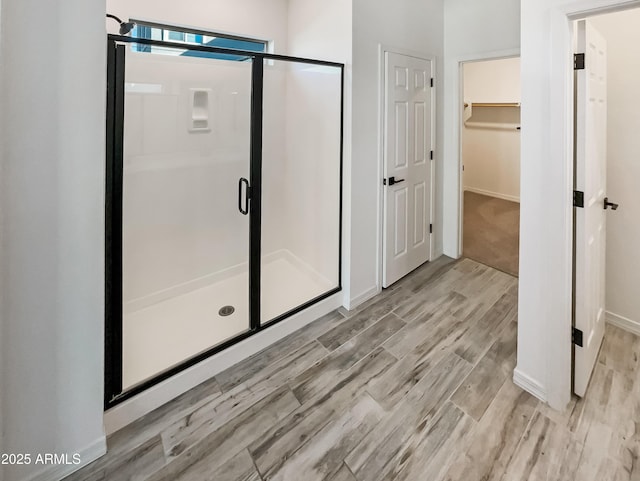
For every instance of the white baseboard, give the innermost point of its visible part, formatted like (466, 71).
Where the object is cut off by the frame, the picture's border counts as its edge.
(60, 471)
(530, 385)
(623, 323)
(497, 195)
(362, 298)
(437, 255)
(128, 411)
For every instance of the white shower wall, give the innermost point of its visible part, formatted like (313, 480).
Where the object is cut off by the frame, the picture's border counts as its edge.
(180, 216)
(312, 172)
(182, 227)
(303, 186)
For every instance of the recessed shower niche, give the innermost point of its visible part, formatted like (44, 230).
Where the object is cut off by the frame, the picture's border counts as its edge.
(200, 110)
(223, 200)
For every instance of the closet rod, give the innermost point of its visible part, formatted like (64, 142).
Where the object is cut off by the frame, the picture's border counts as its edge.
(493, 104)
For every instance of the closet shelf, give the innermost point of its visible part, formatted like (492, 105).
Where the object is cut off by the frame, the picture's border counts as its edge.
(492, 126)
(492, 104)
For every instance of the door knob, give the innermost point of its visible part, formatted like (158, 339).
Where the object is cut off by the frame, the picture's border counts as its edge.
(393, 181)
(608, 204)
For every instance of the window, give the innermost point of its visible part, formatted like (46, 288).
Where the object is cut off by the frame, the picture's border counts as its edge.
(169, 33)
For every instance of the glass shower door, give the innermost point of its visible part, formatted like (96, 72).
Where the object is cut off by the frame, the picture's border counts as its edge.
(301, 185)
(185, 228)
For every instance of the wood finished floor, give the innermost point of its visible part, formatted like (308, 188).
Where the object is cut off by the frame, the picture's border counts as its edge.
(415, 385)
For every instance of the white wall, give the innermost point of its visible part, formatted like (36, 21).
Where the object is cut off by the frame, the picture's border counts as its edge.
(543, 169)
(490, 140)
(310, 179)
(472, 30)
(324, 30)
(319, 30)
(409, 25)
(52, 196)
(1, 243)
(492, 80)
(544, 322)
(623, 169)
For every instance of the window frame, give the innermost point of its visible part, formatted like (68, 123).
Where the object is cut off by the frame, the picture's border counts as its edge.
(167, 28)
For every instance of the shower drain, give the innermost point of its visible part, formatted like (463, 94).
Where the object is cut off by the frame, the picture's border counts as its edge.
(226, 311)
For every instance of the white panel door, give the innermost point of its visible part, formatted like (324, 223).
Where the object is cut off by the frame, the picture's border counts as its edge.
(591, 170)
(407, 165)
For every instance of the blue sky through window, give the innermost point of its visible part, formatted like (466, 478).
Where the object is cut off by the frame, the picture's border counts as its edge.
(188, 38)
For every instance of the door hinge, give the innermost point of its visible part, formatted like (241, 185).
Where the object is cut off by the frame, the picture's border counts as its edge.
(578, 61)
(576, 336)
(578, 198)
(432, 81)
(431, 155)
(430, 228)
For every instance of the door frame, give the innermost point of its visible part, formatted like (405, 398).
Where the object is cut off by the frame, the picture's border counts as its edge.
(558, 346)
(382, 50)
(458, 109)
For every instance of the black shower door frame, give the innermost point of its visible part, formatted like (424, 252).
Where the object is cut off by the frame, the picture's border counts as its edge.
(116, 52)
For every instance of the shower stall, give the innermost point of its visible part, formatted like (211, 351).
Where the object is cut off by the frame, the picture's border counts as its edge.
(224, 198)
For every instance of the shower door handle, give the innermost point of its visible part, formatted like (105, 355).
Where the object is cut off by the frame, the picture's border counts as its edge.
(247, 196)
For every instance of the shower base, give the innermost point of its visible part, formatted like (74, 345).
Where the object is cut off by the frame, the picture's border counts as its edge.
(165, 334)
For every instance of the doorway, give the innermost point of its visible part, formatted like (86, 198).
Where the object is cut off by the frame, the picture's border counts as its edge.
(546, 257)
(490, 157)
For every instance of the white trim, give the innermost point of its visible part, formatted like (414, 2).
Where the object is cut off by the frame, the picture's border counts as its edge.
(380, 194)
(364, 297)
(437, 253)
(533, 387)
(436, 153)
(556, 353)
(497, 195)
(128, 411)
(452, 234)
(580, 9)
(458, 85)
(432, 59)
(622, 322)
(95, 450)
